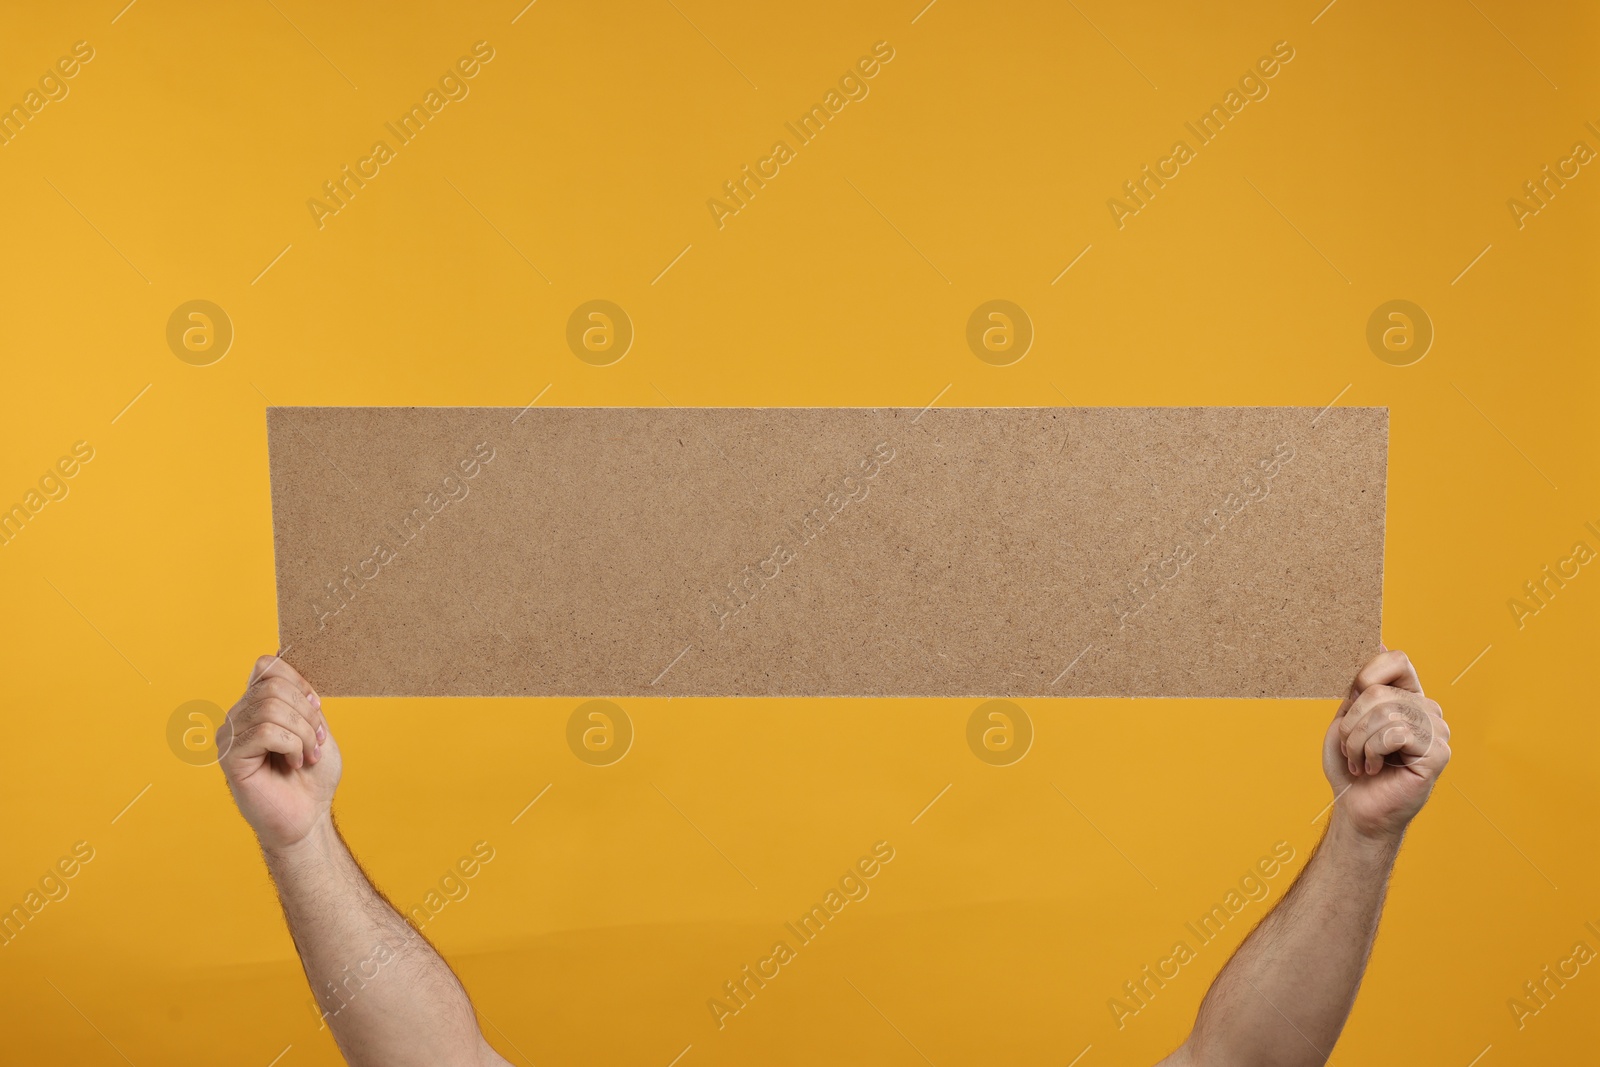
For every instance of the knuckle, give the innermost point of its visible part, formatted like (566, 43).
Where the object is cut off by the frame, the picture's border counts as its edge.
(278, 715)
(281, 688)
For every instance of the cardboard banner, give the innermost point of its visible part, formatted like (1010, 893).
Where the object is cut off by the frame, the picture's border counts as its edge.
(951, 552)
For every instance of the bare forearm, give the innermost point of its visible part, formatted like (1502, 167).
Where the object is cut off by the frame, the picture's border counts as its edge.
(1285, 995)
(1283, 999)
(385, 993)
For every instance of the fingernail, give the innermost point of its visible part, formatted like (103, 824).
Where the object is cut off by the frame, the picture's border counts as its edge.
(316, 753)
(316, 701)
(322, 734)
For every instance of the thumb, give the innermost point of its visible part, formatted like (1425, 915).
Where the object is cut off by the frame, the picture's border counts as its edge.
(1350, 696)
(1344, 705)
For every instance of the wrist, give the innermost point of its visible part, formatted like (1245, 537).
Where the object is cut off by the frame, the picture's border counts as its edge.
(1378, 843)
(316, 843)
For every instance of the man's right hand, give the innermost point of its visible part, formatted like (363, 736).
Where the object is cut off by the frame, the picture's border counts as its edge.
(281, 762)
(1386, 748)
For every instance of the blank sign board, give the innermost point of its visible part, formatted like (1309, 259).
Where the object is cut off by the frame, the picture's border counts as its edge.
(949, 552)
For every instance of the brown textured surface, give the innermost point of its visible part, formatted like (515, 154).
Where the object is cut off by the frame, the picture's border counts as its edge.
(603, 551)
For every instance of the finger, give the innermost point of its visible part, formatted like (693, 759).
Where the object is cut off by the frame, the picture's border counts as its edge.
(1378, 705)
(284, 690)
(287, 691)
(1390, 738)
(1407, 731)
(1344, 705)
(1378, 697)
(285, 715)
(1400, 739)
(275, 712)
(1356, 684)
(1371, 699)
(272, 664)
(278, 667)
(1389, 668)
(280, 689)
(1437, 758)
(263, 738)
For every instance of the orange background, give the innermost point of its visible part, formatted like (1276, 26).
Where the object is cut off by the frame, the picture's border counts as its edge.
(979, 167)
